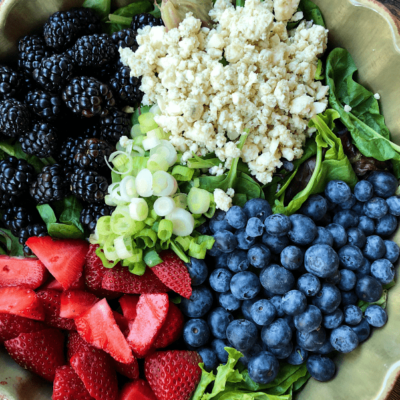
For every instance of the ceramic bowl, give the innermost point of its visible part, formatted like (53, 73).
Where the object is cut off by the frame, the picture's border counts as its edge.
(372, 36)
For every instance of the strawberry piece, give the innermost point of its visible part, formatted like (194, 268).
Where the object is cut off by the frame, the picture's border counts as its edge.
(51, 301)
(172, 328)
(39, 352)
(75, 302)
(152, 310)
(128, 306)
(76, 344)
(130, 370)
(24, 272)
(98, 327)
(173, 374)
(63, 258)
(122, 323)
(12, 325)
(21, 301)
(119, 279)
(173, 273)
(138, 390)
(68, 386)
(54, 284)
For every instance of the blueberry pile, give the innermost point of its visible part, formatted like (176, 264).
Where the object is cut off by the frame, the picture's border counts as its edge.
(291, 288)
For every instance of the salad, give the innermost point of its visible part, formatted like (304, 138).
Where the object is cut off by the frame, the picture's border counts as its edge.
(197, 201)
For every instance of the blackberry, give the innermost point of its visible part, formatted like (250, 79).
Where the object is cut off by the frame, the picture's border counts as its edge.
(91, 214)
(61, 30)
(88, 21)
(38, 230)
(7, 200)
(67, 155)
(139, 21)
(54, 72)
(50, 185)
(89, 186)
(126, 87)
(88, 97)
(15, 176)
(125, 38)
(41, 141)
(14, 118)
(91, 154)
(90, 132)
(10, 82)
(46, 105)
(115, 125)
(31, 50)
(17, 218)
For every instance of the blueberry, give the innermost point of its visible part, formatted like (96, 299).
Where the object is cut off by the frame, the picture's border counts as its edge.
(344, 339)
(376, 316)
(276, 301)
(352, 315)
(394, 205)
(337, 191)
(197, 270)
(196, 332)
(346, 218)
(347, 205)
(244, 241)
(311, 341)
(363, 191)
(349, 297)
(323, 237)
(204, 229)
(325, 220)
(365, 268)
(321, 260)
(335, 279)
(259, 255)
(327, 347)
(376, 208)
(350, 257)
(245, 285)
(275, 243)
(218, 320)
(209, 358)
(309, 320)
(236, 217)
(333, 319)
(267, 294)
(228, 301)
(374, 248)
(221, 260)
(263, 368)
(298, 356)
(368, 289)
(303, 229)
(238, 261)
(218, 346)
(277, 225)
(315, 207)
(263, 312)
(366, 225)
(259, 208)
(290, 322)
(277, 334)
(220, 280)
(218, 222)
(242, 334)
(328, 298)
(199, 304)
(339, 235)
(392, 251)
(292, 257)
(282, 352)
(248, 354)
(358, 208)
(309, 284)
(384, 183)
(356, 237)
(254, 227)
(362, 330)
(294, 302)
(331, 206)
(277, 279)
(383, 271)
(225, 241)
(246, 308)
(321, 368)
(386, 225)
(348, 280)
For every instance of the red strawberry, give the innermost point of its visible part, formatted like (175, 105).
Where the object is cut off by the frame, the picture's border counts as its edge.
(130, 370)
(51, 300)
(77, 344)
(119, 279)
(172, 328)
(174, 274)
(122, 323)
(98, 327)
(24, 272)
(152, 310)
(68, 386)
(22, 302)
(173, 374)
(128, 305)
(76, 302)
(64, 258)
(40, 352)
(12, 325)
(54, 284)
(97, 374)
(138, 390)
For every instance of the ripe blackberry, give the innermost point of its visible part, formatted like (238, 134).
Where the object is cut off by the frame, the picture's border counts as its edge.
(7, 200)
(89, 186)
(17, 218)
(50, 185)
(91, 154)
(139, 21)
(38, 230)
(92, 131)
(91, 214)
(126, 87)
(41, 141)
(88, 21)
(15, 176)
(125, 38)
(54, 72)
(115, 125)
(87, 96)
(46, 105)
(10, 82)
(31, 50)
(14, 118)
(60, 30)
(67, 155)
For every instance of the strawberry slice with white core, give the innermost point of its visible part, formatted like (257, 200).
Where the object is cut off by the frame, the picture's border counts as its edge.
(128, 305)
(21, 301)
(76, 302)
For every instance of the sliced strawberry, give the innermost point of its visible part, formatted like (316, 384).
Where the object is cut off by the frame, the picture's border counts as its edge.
(68, 386)
(173, 273)
(12, 325)
(39, 352)
(130, 370)
(51, 301)
(152, 310)
(64, 258)
(122, 323)
(128, 305)
(138, 390)
(97, 374)
(22, 302)
(76, 302)
(98, 327)
(119, 279)
(54, 284)
(24, 272)
(173, 374)
(76, 344)
(172, 328)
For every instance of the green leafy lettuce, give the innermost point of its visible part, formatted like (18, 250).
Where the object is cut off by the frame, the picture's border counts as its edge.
(11, 244)
(311, 12)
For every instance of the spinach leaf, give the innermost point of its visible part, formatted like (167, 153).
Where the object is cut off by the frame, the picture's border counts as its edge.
(122, 17)
(156, 13)
(101, 7)
(14, 248)
(311, 12)
(71, 213)
(47, 214)
(381, 302)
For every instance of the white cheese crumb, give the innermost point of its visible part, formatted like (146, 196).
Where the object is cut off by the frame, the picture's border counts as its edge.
(377, 96)
(217, 170)
(347, 108)
(222, 200)
(230, 192)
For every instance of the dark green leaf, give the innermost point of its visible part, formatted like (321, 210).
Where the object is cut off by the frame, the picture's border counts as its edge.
(14, 248)
(64, 231)
(319, 73)
(101, 7)
(240, 3)
(47, 214)
(175, 298)
(301, 382)
(311, 12)
(122, 17)
(71, 213)
(156, 13)
(16, 151)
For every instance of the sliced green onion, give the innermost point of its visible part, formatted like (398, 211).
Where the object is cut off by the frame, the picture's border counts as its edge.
(103, 258)
(157, 133)
(164, 244)
(137, 256)
(180, 200)
(164, 184)
(167, 151)
(150, 143)
(146, 238)
(184, 242)
(157, 163)
(211, 211)
(103, 226)
(197, 250)
(138, 268)
(128, 188)
(151, 258)
(123, 247)
(149, 221)
(138, 163)
(165, 229)
(208, 240)
(147, 122)
(136, 131)
(155, 109)
(122, 223)
(182, 221)
(198, 200)
(144, 183)
(163, 206)
(179, 252)
(109, 248)
(182, 174)
(138, 140)
(138, 209)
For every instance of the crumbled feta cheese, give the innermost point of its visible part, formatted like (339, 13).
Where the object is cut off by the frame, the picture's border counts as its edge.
(222, 200)
(230, 192)
(377, 96)
(347, 108)
(124, 141)
(217, 170)
(284, 9)
(297, 16)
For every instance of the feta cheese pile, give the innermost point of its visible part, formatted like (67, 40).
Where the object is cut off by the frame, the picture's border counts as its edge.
(267, 87)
